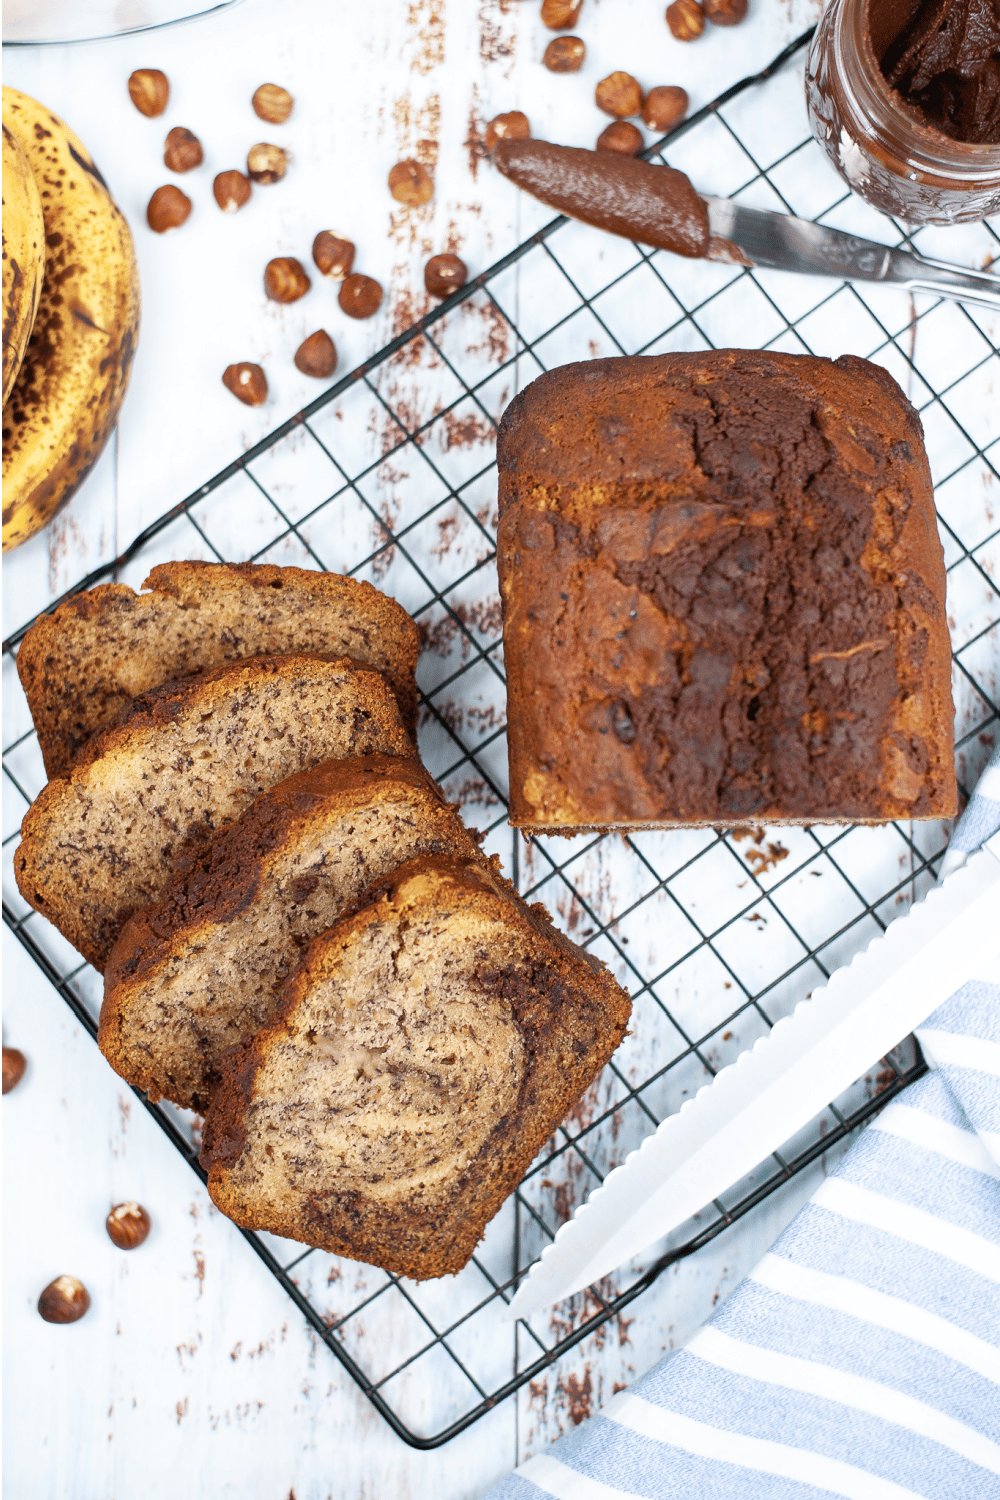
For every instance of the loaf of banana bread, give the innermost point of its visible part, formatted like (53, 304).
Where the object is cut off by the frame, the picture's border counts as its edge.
(723, 596)
(197, 972)
(80, 665)
(178, 763)
(423, 1052)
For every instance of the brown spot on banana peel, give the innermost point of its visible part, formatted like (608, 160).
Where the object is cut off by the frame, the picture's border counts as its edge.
(88, 166)
(82, 316)
(11, 318)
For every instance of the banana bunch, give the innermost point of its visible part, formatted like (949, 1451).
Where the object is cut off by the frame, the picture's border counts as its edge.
(74, 372)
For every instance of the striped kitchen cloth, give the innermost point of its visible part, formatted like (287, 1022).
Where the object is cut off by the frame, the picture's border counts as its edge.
(861, 1356)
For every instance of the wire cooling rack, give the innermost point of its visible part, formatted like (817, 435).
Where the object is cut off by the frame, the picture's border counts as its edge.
(389, 476)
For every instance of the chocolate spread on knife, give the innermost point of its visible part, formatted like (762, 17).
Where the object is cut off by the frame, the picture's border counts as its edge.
(654, 205)
(943, 58)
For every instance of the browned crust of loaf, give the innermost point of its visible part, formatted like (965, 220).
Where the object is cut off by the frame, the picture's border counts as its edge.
(78, 665)
(214, 882)
(149, 713)
(584, 435)
(424, 1242)
(530, 454)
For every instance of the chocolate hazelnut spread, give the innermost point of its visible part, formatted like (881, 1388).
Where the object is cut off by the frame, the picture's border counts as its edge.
(904, 98)
(943, 60)
(654, 205)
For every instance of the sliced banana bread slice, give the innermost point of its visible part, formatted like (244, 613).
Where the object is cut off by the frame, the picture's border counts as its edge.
(179, 762)
(422, 1053)
(198, 972)
(80, 665)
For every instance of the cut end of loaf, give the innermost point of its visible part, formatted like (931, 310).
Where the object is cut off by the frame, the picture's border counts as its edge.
(81, 665)
(179, 763)
(197, 972)
(424, 1051)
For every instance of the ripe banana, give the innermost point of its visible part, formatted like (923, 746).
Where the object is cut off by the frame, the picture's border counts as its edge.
(23, 257)
(75, 372)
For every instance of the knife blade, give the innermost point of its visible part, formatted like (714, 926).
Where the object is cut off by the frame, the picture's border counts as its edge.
(752, 1107)
(757, 237)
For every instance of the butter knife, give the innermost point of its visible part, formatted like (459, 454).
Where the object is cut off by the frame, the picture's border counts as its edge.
(773, 1090)
(756, 237)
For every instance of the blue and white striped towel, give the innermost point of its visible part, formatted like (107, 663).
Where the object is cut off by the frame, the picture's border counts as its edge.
(861, 1356)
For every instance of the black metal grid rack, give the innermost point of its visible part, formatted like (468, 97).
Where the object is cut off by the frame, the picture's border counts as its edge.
(363, 481)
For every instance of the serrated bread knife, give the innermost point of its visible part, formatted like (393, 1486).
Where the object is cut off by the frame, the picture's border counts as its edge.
(779, 1085)
(757, 237)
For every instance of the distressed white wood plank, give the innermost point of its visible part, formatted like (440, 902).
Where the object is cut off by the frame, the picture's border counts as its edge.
(226, 1382)
(371, 83)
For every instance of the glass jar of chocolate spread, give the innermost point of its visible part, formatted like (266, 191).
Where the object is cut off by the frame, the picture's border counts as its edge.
(904, 97)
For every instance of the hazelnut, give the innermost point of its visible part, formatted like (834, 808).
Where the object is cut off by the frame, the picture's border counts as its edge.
(14, 1064)
(411, 183)
(565, 54)
(272, 103)
(333, 256)
(360, 296)
(444, 274)
(127, 1225)
(149, 90)
(247, 382)
(232, 190)
(64, 1300)
(724, 12)
(664, 107)
(619, 94)
(285, 279)
(317, 355)
(167, 209)
(183, 150)
(560, 15)
(513, 126)
(686, 20)
(622, 138)
(266, 163)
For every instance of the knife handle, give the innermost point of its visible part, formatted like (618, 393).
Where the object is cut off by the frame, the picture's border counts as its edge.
(918, 274)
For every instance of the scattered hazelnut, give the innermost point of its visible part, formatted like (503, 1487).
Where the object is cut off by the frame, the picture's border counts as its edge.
(266, 163)
(14, 1064)
(411, 183)
(231, 190)
(149, 90)
(167, 209)
(686, 19)
(272, 103)
(560, 15)
(360, 296)
(64, 1300)
(724, 12)
(622, 138)
(127, 1225)
(247, 382)
(285, 279)
(565, 54)
(664, 107)
(444, 274)
(333, 256)
(183, 150)
(619, 94)
(317, 355)
(513, 126)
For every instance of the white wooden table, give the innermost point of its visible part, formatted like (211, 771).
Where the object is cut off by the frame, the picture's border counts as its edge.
(192, 1373)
